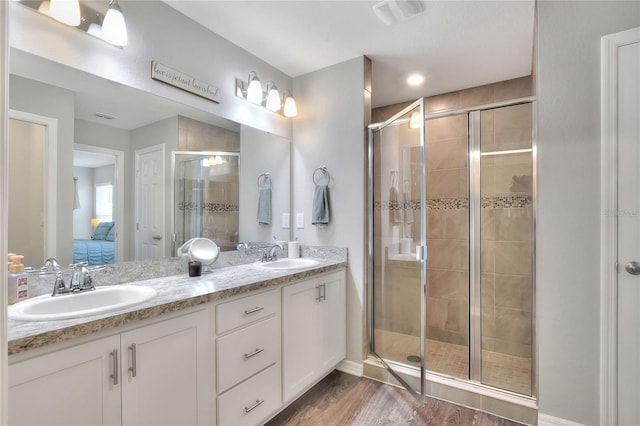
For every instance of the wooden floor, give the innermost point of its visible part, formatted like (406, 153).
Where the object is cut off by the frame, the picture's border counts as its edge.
(343, 399)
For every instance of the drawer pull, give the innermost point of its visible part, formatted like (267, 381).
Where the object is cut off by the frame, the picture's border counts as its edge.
(253, 310)
(252, 354)
(255, 405)
(133, 368)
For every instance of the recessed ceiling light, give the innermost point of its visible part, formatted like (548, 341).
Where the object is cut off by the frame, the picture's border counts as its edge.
(415, 79)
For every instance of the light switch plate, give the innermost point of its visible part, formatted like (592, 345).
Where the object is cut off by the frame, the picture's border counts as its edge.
(285, 220)
(300, 220)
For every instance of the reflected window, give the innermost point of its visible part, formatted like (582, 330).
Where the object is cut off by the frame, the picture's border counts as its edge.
(104, 202)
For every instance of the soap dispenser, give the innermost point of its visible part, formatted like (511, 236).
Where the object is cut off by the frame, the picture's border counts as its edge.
(18, 280)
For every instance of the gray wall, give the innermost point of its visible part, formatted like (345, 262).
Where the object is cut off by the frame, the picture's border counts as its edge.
(330, 130)
(568, 228)
(49, 101)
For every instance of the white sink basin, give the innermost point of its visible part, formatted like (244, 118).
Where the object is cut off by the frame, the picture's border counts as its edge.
(98, 301)
(284, 264)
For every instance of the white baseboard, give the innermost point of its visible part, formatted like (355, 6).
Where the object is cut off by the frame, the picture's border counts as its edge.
(547, 420)
(350, 367)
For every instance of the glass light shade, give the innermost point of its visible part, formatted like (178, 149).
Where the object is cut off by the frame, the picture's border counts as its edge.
(44, 7)
(114, 29)
(65, 11)
(95, 29)
(273, 99)
(254, 91)
(414, 120)
(290, 107)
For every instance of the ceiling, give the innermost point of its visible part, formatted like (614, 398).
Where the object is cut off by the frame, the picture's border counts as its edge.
(454, 44)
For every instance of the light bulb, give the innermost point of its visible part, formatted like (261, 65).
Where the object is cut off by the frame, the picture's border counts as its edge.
(273, 98)
(114, 29)
(65, 11)
(254, 91)
(290, 107)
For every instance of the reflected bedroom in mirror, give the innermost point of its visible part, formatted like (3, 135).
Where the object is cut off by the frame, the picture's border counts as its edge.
(103, 173)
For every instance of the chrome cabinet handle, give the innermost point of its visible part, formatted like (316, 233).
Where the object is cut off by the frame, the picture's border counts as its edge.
(318, 297)
(133, 368)
(253, 310)
(252, 407)
(632, 267)
(254, 353)
(324, 292)
(114, 365)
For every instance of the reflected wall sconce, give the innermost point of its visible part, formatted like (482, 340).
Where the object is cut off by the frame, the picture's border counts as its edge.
(269, 98)
(113, 29)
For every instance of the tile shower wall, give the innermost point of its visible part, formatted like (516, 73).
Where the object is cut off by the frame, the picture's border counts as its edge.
(506, 224)
(220, 191)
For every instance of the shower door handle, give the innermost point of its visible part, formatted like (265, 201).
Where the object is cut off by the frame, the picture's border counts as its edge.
(632, 267)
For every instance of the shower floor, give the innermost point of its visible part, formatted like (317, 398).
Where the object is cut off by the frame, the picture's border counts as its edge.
(499, 370)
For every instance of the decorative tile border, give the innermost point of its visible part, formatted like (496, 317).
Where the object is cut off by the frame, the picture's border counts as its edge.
(506, 202)
(209, 207)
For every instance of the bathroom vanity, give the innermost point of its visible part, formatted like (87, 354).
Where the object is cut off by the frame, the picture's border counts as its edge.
(232, 347)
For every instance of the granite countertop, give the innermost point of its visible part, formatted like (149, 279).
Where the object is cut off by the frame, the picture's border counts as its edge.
(173, 294)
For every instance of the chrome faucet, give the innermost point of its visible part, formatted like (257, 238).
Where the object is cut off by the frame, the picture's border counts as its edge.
(51, 265)
(80, 281)
(270, 256)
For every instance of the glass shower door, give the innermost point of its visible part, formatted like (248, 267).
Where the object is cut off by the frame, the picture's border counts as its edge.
(397, 239)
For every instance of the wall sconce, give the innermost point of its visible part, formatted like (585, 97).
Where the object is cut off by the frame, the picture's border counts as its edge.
(270, 98)
(113, 29)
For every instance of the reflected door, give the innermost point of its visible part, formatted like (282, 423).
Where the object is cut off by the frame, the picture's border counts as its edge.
(150, 203)
(398, 238)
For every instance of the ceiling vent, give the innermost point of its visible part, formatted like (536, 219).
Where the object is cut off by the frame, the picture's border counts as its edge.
(105, 115)
(392, 11)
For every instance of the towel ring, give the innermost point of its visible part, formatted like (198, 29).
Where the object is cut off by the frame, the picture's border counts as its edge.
(325, 174)
(264, 179)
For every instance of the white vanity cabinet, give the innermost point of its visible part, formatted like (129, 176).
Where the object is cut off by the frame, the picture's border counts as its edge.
(154, 375)
(313, 331)
(248, 358)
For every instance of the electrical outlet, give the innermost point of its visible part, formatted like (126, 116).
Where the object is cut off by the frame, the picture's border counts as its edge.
(300, 220)
(285, 220)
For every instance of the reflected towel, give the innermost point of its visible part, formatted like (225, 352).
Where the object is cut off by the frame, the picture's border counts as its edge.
(395, 208)
(408, 208)
(264, 206)
(320, 209)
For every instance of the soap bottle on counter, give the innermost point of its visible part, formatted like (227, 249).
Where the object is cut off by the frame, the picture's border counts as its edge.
(18, 280)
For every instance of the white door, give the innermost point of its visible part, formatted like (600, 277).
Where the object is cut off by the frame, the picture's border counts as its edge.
(165, 373)
(628, 129)
(74, 386)
(149, 228)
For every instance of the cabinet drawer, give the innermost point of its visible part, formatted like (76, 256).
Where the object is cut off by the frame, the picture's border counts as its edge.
(243, 311)
(247, 351)
(251, 402)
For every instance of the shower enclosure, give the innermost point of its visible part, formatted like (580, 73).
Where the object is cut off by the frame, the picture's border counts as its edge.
(206, 197)
(451, 245)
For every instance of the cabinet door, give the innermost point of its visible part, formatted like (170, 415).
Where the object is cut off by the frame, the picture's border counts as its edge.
(69, 387)
(165, 373)
(300, 320)
(332, 329)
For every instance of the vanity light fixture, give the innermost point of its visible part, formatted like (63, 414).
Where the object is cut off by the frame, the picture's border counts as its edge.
(271, 99)
(254, 90)
(290, 107)
(65, 11)
(114, 28)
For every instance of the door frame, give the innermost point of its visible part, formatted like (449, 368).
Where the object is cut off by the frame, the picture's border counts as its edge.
(136, 231)
(609, 221)
(51, 189)
(119, 185)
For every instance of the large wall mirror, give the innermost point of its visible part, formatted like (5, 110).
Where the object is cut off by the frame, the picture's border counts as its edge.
(95, 167)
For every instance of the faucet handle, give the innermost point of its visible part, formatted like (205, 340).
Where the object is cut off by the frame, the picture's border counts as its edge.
(58, 286)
